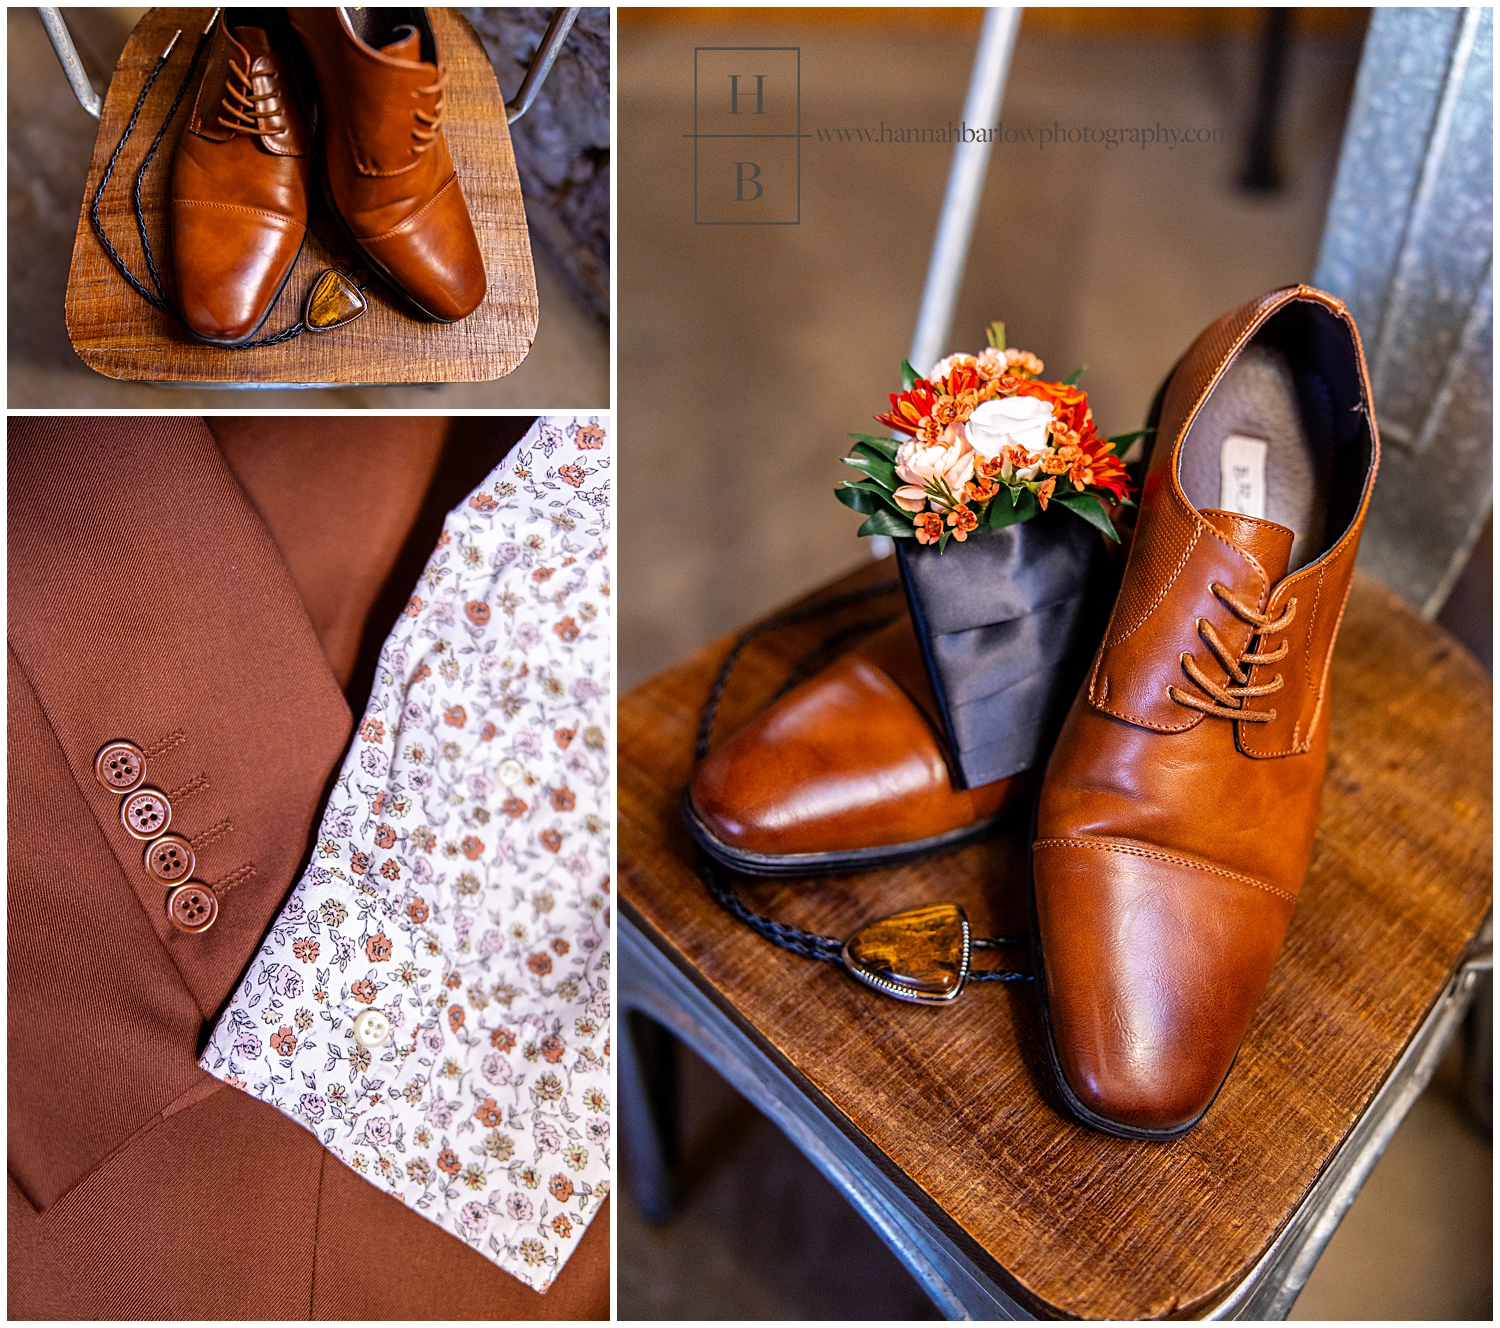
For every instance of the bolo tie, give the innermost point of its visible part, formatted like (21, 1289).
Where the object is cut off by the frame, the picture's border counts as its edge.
(923, 955)
(333, 291)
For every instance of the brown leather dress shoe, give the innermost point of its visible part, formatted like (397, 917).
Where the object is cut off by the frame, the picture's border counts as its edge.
(847, 771)
(1177, 814)
(240, 181)
(386, 164)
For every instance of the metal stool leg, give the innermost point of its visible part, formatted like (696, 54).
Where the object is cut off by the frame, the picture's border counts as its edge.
(648, 1110)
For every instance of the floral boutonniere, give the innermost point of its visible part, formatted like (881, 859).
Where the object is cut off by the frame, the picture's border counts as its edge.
(985, 443)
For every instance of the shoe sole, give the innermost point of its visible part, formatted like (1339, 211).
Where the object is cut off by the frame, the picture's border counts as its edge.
(848, 860)
(270, 308)
(380, 269)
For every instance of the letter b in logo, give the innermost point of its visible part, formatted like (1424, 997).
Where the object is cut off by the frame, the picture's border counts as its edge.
(747, 177)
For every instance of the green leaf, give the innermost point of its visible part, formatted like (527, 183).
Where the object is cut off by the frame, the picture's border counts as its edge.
(871, 453)
(882, 472)
(1072, 379)
(885, 446)
(908, 376)
(1021, 507)
(1088, 506)
(1124, 440)
(943, 540)
(861, 499)
(995, 334)
(886, 522)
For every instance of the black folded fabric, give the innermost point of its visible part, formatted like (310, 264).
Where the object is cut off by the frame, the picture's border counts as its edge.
(1008, 622)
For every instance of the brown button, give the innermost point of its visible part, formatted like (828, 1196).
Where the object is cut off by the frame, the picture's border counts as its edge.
(192, 907)
(170, 859)
(146, 813)
(120, 766)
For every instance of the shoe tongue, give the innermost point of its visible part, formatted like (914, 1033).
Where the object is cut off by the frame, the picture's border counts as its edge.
(406, 47)
(254, 40)
(1269, 544)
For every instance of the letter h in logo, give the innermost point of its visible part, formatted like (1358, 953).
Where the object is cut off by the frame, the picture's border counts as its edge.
(747, 136)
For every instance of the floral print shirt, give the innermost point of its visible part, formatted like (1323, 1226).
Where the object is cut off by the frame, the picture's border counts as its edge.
(460, 885)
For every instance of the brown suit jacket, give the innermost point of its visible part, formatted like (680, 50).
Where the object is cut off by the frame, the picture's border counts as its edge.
(207, 598)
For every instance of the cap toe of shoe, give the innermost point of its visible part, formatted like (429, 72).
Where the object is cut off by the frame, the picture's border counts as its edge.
(434, 256)
(228, 274)
(1154, 964)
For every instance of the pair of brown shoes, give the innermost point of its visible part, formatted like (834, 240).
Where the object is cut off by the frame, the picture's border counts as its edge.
(1175, 818)
(243, 171)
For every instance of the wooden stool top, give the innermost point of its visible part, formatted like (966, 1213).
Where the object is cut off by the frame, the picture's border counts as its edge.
(957, 1103)
(118, 334)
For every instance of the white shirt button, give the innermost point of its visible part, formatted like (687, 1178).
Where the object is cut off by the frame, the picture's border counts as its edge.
(371, 1028)
(511, 772)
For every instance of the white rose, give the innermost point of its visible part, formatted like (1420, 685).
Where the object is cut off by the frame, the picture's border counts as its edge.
(1009, 422)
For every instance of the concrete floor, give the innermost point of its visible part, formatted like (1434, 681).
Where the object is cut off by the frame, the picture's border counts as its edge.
(50, 142)
(747, 354)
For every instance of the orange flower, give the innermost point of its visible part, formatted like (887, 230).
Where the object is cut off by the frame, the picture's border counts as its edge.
(563, 800)
(551, 840)
(478, 612)
(487, 1113)
(417, 910)
(472, 846)
(448, 1161)
(378, 948)
(455, 716)
(980, 489)
(1045, 493)
(963, 520)
(564, 736)
(504, 1039)
(283, 1042)
(455, 1017)
(929, 527)
(910, 408)
(385, 837)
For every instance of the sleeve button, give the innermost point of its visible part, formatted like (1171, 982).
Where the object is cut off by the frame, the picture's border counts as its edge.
(146, 813)
(170, 859)
(120, 766)
(192, 907)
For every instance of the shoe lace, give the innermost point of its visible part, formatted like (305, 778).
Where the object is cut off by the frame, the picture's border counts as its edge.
(1229, 702)
(245, 115)
(428, 127)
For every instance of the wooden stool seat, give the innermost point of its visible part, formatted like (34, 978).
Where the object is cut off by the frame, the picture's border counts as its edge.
(942, 1124)
(118, 334)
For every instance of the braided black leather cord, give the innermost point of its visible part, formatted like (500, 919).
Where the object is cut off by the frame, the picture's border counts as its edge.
(159, 298)
(809, 944)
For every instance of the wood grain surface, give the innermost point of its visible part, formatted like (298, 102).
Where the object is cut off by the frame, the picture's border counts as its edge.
(117, 333)
(956, 1102)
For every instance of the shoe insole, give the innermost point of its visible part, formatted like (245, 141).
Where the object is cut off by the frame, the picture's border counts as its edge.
(379, 26)
(1249, 451)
